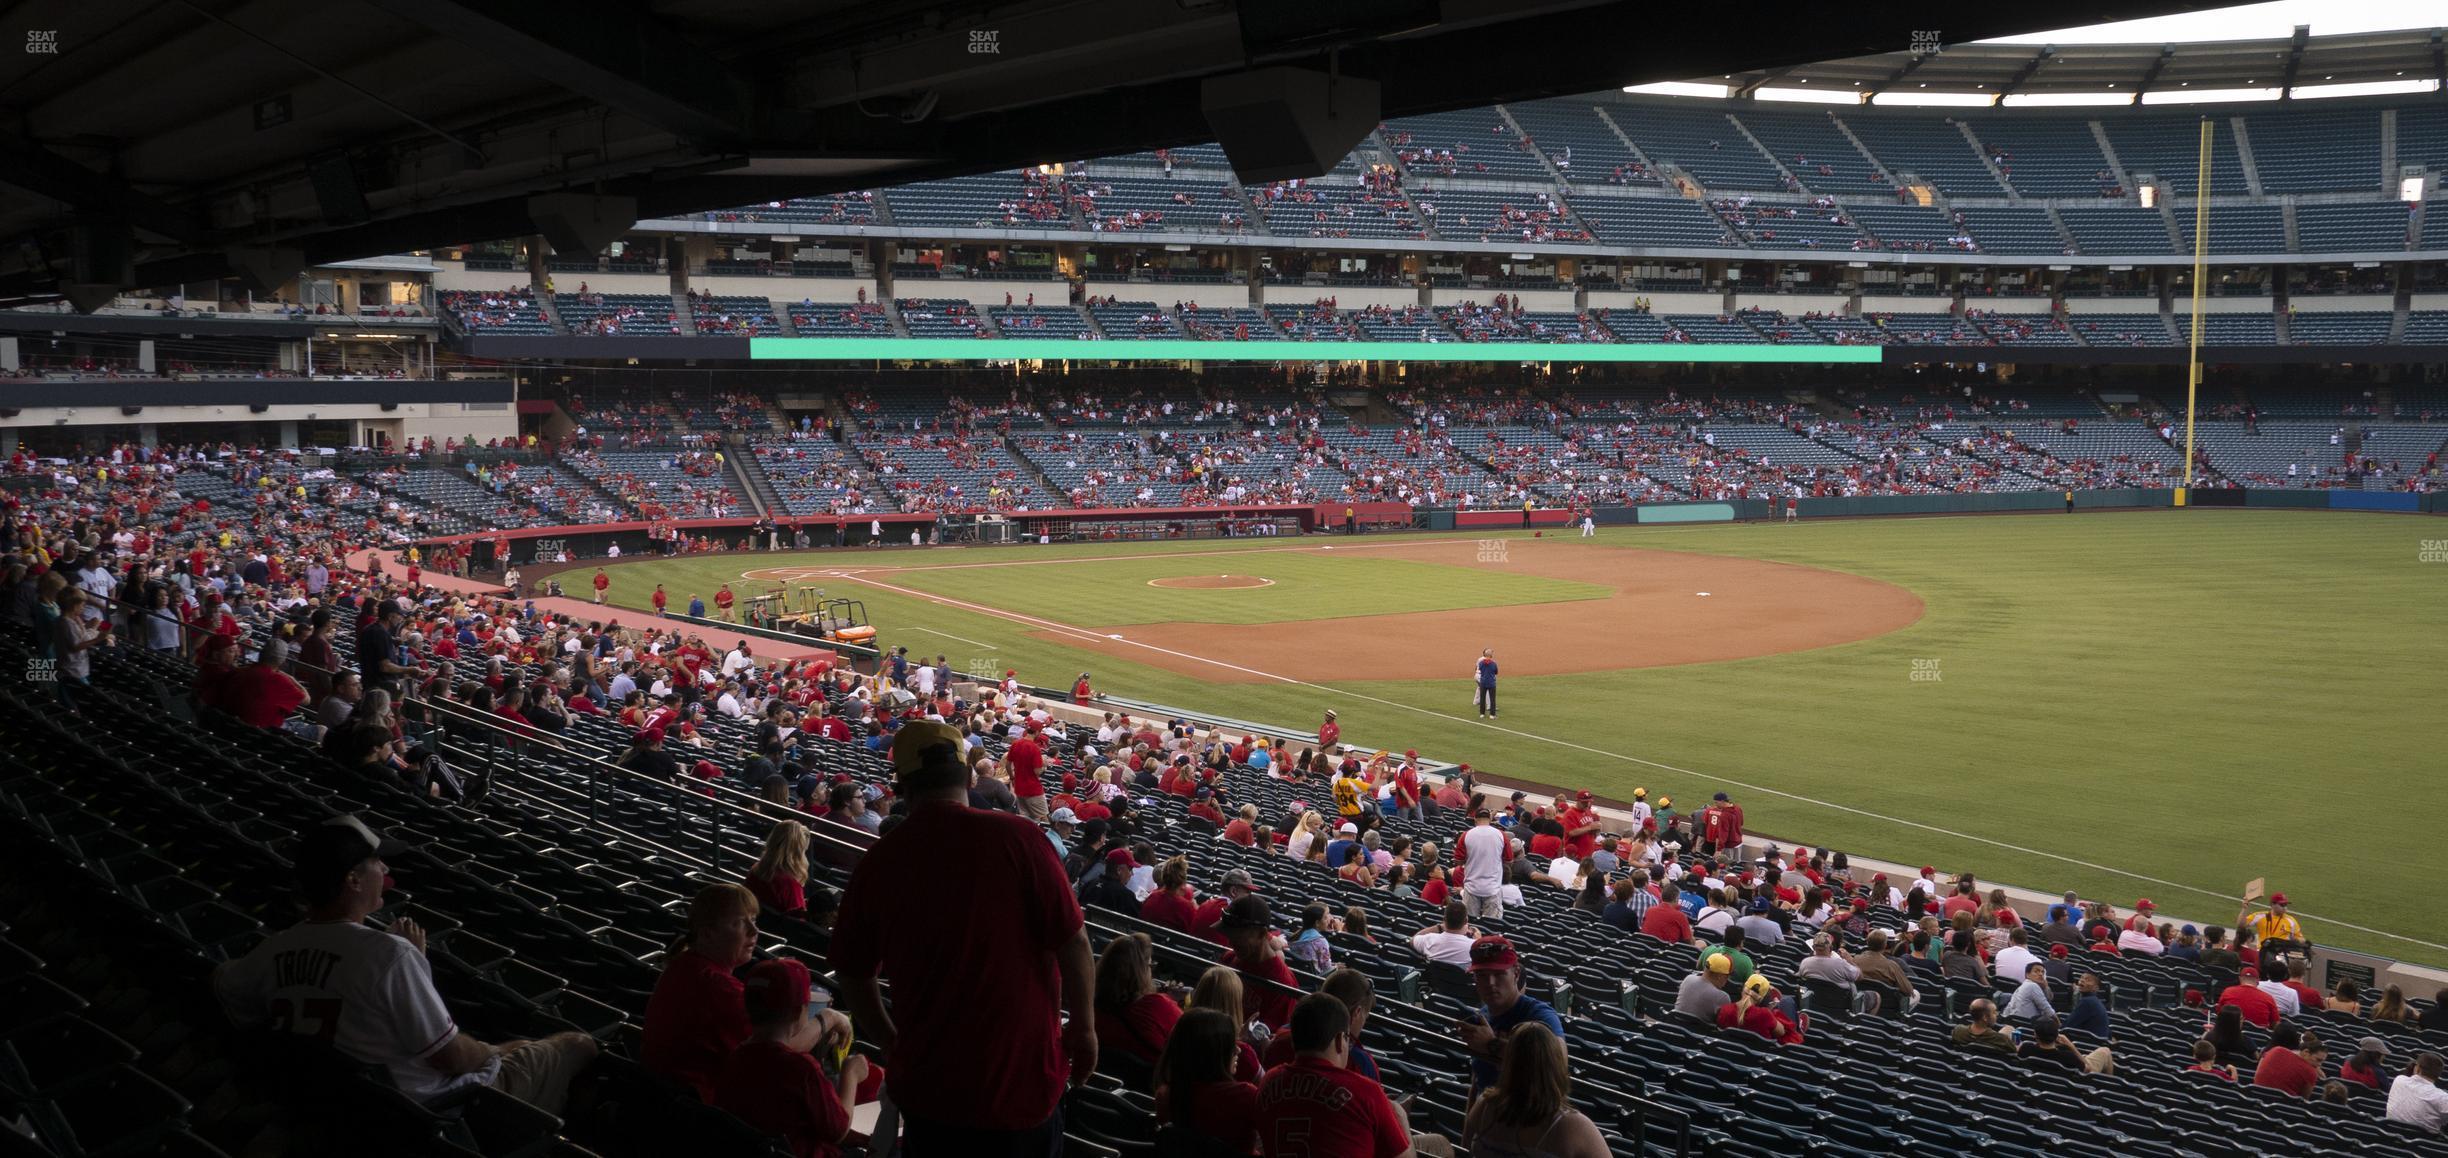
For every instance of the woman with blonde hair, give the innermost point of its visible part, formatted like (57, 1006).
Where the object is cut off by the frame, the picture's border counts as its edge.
(1173, 904)
(1133, 1015)
(699, 1012)
(1305, 833)
(1526, 1114)
(1219, 989)
(779, 877)
(2392, 1006)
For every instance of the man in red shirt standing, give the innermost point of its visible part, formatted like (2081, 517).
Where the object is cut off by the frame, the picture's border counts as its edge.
(1580, 828)
(1721, 826)
(723, 599)
(1024, 762)
(1081, 693)
(1316, 1107)
(660, 599)
(934, 925)
(1407, 787)
(1329, 733)
(603, 583)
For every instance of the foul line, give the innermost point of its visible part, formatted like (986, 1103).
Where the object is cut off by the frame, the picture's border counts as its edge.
(1174, 555)
(949, 635)
(1101, 638)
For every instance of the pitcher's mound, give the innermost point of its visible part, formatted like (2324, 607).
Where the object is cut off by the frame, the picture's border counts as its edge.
(1211, 582)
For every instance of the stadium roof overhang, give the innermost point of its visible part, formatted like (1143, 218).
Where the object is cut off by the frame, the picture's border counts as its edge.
(2126, 70)
(147, 144)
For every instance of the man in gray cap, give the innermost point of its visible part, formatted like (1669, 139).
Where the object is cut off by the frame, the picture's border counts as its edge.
(369, 992)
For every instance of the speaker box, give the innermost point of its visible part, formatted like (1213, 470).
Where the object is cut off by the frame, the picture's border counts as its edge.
(258, 408)
(1281, 123)
(131, 411)
(388, 407)
(337, 191)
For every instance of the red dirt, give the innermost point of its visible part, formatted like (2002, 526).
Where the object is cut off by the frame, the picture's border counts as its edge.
(1211, 582)
(1654, 619)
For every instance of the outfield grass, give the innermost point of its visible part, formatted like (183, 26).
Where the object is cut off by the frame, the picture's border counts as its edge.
(2200, 697)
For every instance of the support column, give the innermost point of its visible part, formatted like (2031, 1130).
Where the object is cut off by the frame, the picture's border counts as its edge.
(144, 355)
(289, 435)
(148, 435)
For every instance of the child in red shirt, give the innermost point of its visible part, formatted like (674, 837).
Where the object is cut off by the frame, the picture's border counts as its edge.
(772, 1081)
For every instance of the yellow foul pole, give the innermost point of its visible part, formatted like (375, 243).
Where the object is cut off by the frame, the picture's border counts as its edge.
(2201, 248)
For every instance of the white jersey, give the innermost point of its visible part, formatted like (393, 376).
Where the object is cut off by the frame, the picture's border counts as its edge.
(1483, 872)
(362, 991)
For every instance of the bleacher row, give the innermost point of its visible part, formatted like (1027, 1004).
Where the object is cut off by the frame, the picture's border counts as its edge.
(1469, 321)
(1606, 169)
(160, 836)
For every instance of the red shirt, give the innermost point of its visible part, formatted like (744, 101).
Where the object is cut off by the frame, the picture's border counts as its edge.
(1203, 923)
(1223, 1111)
(1171, 908)
(1239, 832)
(995, 913)
(2257, 1007)
(1080, 693)
(260, 696)
(782, 1091)
(1272, 1006)
(1328, 733)
(1762, 1020)
(1207, 811)
(2285, 1069)
(696, 1017)
(1958, 904)
(1407, 786)
(723, 598)
(660, 599)
(1667, 923)
(1433, 891)
(779, 893)
(602, 581)
(1026, 759)
(1586, 843)
(1316, 1109)
(1545, 845)
(1140, 1031)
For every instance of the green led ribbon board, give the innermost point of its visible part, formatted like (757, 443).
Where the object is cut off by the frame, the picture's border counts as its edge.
(1132, 350)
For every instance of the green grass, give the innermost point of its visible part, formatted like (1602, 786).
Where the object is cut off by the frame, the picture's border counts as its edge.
(2201, 697)
(1113, 592)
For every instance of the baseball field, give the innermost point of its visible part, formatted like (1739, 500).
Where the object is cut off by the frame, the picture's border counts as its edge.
(2149, 703)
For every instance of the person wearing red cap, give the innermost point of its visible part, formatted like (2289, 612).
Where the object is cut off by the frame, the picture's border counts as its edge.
(1110, 889)
(1580, 827)
(1002, 910)
(2276, 929)
(1496, 973)
(1407, 787)
(775, 1081)
(2247, 996)
(1721, 826)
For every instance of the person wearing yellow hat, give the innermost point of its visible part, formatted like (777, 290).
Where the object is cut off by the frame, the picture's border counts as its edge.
(1760, 1010)
(1641, 811)
(1704, 992)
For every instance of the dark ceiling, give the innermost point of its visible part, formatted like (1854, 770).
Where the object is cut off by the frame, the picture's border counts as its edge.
(145, 143)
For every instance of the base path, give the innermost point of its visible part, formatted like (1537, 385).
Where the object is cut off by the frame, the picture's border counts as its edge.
(1212, 582)
(1658, 616)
